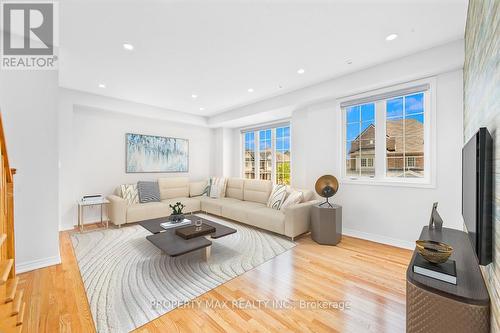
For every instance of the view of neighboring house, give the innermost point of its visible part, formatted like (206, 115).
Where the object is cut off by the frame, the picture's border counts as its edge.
(268, 154)
(404, 152)
(265, 164)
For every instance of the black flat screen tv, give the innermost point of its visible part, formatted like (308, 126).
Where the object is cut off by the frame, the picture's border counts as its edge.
(477, 199)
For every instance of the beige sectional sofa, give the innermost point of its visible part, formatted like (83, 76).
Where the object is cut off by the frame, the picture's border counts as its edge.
(244, 201)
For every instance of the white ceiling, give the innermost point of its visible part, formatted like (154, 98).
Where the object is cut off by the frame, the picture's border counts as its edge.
(219, 49)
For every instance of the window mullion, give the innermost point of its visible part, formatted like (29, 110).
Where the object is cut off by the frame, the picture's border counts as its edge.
(380, 142)
(273, 155)
(404, 137)
(257, 154)
(358, 159)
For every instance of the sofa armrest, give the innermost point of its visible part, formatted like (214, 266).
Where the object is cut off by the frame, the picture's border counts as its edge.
(117, 210)
(297, 218)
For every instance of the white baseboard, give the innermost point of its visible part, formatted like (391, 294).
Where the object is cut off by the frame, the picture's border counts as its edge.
(72, 226)
(379, 239)
(36, 264)
(65, 227)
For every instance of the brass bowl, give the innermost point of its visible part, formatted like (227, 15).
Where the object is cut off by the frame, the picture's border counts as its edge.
(434, 252)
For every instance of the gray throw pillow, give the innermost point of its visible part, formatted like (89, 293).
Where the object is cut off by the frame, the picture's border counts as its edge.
(148, 192)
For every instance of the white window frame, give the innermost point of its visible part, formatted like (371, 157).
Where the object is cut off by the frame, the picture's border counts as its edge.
(380, 178)
(256, 130)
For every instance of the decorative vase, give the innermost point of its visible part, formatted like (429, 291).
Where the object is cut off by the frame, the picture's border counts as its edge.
(176, 218)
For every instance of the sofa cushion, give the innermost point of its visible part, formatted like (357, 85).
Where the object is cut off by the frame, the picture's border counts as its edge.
(148, 192)
(147, 211)
(214, 206)
(190, 204)
(217, 187)
(277, 197)
(129, 193)
(239, 210)
(175, 187)
(268, 219)
(198, 188)
(234, 188)
(307, 195)
(257, 190)
(293, 198)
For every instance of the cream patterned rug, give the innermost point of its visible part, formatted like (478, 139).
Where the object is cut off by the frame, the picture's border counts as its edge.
(126, 277)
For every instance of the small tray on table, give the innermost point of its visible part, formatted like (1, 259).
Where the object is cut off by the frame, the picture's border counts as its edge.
(193, 231)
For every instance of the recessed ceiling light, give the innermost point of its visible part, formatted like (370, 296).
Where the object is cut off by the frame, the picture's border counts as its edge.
(301, 71)
(201, 109)
(102, 85)
(250, 90)
(128, 46)
(194, 96)
(348, 61)
(280, 86)
(391, 37)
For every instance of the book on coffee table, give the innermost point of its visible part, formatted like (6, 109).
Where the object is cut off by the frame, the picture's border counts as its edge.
(170, 224)
(193, 231)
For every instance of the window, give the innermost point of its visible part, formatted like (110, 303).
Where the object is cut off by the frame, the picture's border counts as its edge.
(405, 136)
(385, 135)
(283, 155)
(273, 157)
(410, 162)
(360, 139)
(249, 153)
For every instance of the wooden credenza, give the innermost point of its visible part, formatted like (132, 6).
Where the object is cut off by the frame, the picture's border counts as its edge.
(436, 306)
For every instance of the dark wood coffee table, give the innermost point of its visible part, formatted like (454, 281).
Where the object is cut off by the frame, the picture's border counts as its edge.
(174, 245)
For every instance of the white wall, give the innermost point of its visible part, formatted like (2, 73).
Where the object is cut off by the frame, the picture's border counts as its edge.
(223, 146)
(392, 215)
(28, 102)
(93, 148)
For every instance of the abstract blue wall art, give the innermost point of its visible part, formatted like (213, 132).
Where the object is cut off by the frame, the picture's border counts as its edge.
(148, 153)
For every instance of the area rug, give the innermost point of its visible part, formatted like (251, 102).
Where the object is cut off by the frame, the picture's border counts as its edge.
(129, 282)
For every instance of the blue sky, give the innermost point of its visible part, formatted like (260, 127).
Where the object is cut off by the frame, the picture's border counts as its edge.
(361, 116)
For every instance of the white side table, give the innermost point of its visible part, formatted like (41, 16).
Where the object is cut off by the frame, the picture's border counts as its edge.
(83, 204)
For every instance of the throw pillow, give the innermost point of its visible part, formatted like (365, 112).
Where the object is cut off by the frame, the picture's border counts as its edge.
(148, 192)
(293, 198)
(214, 191)
(217, 187)
(277, 197)
(130, 194)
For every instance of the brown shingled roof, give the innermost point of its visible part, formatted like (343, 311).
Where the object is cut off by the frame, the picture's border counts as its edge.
(394, 134)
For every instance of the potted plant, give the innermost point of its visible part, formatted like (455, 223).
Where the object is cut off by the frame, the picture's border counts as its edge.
(177, 215)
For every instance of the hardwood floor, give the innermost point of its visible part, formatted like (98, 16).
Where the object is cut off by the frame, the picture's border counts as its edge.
(370, 277)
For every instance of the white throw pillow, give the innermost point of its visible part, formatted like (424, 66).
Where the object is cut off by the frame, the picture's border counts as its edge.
(214, 191)
(130, 193)
(277, 197)
(217, 184)
(293, 198)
